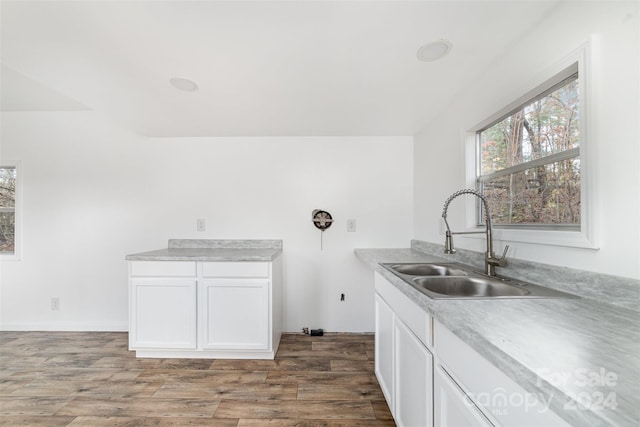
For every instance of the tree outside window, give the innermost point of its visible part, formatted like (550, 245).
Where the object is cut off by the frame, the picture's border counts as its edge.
(529, 161)
(7, 209)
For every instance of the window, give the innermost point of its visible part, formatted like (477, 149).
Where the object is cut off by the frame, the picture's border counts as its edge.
(8, 180)
(528, 160)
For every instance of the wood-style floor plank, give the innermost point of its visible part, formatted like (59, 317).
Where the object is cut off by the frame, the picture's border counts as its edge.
(32, 405)
(311, 423)
(280, 364)
(296, 409)
(338, 365)
(150, 421)
(239, 391)
(156, 407)
(35, 421)
(92, 379)
(366, 391)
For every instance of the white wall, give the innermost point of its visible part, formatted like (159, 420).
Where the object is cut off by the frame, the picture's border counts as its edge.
(614, 133)
(93, 193)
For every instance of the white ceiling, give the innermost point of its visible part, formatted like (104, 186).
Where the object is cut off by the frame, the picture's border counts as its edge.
(263, 67)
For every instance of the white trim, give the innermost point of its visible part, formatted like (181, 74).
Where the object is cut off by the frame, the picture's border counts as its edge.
(573, 239)
(66, 326)
(15, 256)
(207, 354)
(585, 238)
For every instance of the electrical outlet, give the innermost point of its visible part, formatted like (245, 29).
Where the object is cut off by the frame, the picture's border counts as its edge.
(351, 225)
(55, 304)
(201, 224)
(441, 225)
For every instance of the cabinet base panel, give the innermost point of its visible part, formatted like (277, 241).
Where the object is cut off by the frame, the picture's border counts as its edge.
(205, 354)
(208, 354)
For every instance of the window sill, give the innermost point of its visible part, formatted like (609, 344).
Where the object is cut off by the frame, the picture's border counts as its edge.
(572, 239)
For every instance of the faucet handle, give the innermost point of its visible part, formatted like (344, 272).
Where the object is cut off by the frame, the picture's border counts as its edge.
(502, 261)
(504, 254)
(492, 260)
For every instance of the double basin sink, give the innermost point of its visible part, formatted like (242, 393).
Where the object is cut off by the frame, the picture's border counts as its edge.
(457, 281)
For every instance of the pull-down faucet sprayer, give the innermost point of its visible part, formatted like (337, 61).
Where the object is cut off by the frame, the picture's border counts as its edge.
(490, 259)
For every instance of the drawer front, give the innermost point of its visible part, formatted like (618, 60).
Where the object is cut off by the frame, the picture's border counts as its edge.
(163, 269)
(417, 319)
(491, 389)
(451, 406)
(235, 269)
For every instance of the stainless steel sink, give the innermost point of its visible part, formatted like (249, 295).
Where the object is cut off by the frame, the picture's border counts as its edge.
(457, 281)
(421, 269)
(469, 287)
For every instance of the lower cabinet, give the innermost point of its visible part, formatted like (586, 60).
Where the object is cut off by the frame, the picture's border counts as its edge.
(384, 348)
(429, 376)
(235, 314)
(165, 313)
(403, 363)
(413, 379)
(205, 309)
(452, 407)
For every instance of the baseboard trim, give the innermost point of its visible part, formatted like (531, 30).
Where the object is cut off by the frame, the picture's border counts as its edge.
(65, 326)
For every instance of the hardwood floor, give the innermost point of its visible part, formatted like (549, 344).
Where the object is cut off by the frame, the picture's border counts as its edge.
(91, 379)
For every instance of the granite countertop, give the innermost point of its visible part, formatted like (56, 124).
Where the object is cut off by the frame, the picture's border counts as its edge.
(213, 250)
(535, 341)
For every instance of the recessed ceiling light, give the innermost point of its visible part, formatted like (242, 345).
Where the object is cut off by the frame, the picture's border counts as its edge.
(434, 50)
(183, 84)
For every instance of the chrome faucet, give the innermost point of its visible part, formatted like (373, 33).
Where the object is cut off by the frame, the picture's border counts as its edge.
(490, 259)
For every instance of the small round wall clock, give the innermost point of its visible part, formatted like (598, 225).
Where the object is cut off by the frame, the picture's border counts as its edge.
(322, 220)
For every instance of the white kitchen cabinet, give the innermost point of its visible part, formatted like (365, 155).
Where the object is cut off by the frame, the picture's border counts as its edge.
(429, 376)
(165, 313)
(384, 349)
(205, 309)
(452, 407)
(413, 379)
(162, 305)
(235, 314)
(234, 305)
(404, 364)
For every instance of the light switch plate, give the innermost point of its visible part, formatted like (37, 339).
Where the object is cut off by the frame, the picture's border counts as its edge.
(351, 225)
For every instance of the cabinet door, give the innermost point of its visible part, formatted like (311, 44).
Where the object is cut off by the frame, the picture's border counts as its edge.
(163, 313)
(452, 407)
(235, 314)
(413, 380)
(384, 348)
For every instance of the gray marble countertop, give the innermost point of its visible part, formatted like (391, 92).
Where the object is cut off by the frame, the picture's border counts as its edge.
(213, 251)
(536, 342)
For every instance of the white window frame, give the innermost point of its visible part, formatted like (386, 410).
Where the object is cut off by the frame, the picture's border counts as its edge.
(15, 256)
(583, 238)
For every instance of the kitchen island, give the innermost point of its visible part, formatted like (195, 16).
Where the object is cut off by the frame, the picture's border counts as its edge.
(577, 358)
(206, 299)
